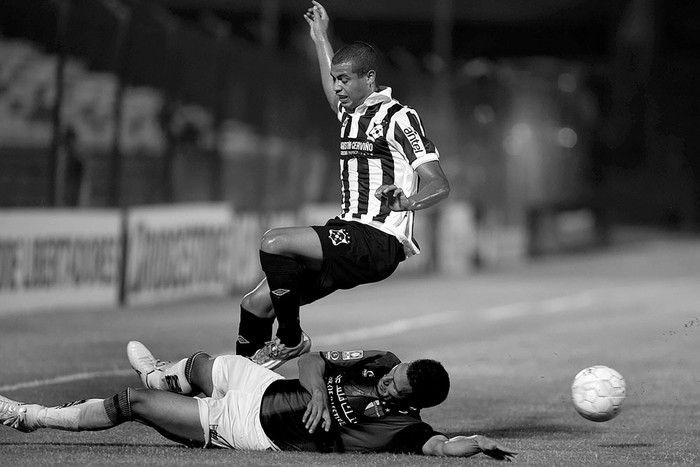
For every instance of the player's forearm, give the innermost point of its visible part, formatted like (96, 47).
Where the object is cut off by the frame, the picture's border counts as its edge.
(461, 446)
(428, 196)
(311, 369)
(324, 53)
(466, 446)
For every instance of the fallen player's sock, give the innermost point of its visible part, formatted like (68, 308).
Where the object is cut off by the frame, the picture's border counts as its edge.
(83, 415)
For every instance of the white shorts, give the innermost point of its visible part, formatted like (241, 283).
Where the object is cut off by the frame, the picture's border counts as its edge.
(230, 418)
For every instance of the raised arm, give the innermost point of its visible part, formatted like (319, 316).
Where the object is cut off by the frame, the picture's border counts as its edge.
(466, 446)
(318, 20)
(311, 369)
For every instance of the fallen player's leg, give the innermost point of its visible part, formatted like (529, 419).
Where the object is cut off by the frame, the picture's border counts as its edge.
(173, 415)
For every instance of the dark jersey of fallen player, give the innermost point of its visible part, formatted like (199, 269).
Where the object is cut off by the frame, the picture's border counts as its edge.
(361, 422)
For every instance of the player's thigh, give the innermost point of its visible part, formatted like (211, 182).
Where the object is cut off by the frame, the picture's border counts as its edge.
(173, 413)
(233, 372)
(298, 242)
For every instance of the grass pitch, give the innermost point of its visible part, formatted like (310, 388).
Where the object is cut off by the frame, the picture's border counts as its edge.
(512, 341)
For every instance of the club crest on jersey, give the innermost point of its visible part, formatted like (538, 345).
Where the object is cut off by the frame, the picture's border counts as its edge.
(333, 355)
(375, 409)
(376, 132)
(339, 236)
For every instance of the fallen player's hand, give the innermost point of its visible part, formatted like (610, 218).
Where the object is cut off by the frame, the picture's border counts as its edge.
(317, 411)
(493, 449)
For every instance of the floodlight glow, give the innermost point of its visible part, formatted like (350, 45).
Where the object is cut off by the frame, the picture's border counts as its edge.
(567, 137)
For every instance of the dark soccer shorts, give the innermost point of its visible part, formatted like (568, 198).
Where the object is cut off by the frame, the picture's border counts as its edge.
(353, 254)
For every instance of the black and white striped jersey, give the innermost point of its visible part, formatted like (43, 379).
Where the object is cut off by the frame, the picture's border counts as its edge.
(381, 142)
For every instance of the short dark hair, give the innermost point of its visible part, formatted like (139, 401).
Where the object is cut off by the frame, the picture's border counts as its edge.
(429, 382)
(361, 55)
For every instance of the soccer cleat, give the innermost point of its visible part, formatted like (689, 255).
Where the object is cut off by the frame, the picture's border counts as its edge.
(143, 362)
(13, 413)
(275, 353)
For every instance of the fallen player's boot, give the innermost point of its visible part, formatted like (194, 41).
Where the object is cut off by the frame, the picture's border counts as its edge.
(13, 413)
(149, 369)
(274, 354)
(160, 374)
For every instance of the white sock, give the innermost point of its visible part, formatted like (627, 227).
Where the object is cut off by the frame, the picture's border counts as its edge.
(172, 378)
(75, 416)
(83, 415)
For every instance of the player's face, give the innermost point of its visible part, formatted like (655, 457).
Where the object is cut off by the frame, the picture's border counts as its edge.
(351, 88)
(395, 385)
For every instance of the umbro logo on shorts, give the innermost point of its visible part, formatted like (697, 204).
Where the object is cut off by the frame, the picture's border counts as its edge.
(339, 236)
(280, 292)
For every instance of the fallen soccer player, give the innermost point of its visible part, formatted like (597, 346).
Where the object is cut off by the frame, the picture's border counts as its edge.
(343, 401)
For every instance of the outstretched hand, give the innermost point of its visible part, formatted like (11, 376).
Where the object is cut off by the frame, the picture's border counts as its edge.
(493, 449)
(317, 18)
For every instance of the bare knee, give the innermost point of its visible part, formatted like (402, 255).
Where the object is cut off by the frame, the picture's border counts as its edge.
(139, 398)
(139, 395)
(275, 241)
(201, 374)
(174, 416)
(258, 301)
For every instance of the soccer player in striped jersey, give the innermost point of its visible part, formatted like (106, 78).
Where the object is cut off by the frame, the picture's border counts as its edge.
(362, 401)
(389, 169)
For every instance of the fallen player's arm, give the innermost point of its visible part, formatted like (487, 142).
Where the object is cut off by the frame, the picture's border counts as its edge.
(311, 370)
(466, 446)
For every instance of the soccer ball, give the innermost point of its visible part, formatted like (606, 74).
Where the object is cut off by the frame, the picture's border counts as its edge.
(598, 392)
